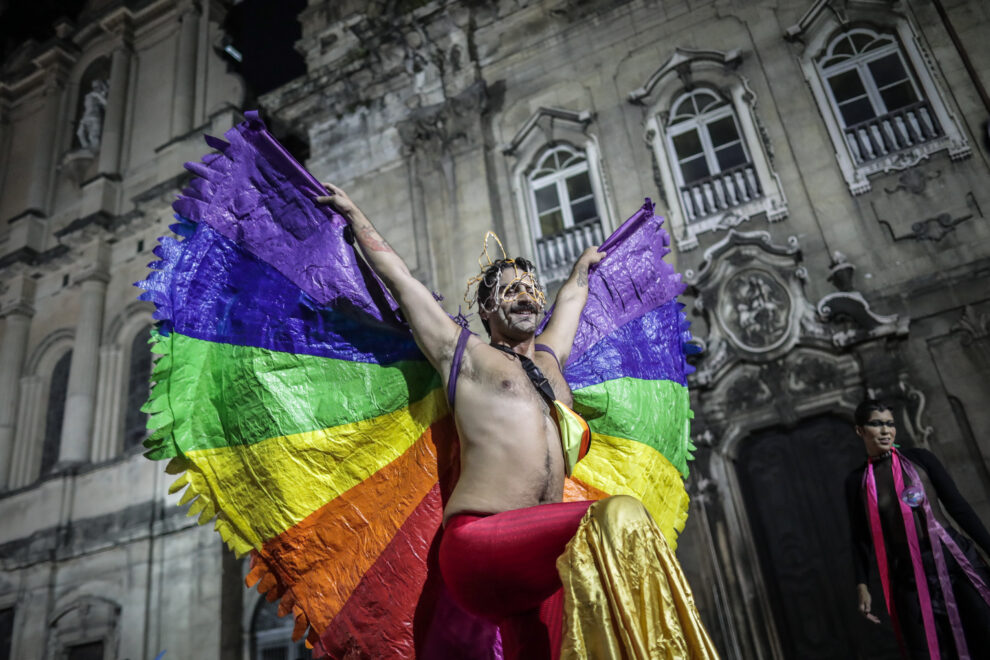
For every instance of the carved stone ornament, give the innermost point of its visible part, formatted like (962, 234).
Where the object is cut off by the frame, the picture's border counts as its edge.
(973, 326)
(854, 321)
(436, 129)
(933, 228)
(751, 292)
(810, 374)
(748, 391)
(915, 410)
(755, 309)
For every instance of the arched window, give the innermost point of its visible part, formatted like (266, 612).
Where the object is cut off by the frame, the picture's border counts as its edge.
(561, 190)
(55, 411)
(875, 96)
(273, 635)
(565, 212)
(713, 166)
(135, 421)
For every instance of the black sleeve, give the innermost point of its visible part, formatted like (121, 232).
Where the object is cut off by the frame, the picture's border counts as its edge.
(950, 497)
(859, 529)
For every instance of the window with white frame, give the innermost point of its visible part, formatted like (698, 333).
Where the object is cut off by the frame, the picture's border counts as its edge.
(875, 96)
(565, 213)
(713, 168)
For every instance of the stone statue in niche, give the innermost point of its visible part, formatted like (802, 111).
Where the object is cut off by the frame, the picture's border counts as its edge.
(90, 125)
(757, 308)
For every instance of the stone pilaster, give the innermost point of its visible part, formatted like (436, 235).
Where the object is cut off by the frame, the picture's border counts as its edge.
(80, 401)
(55, 62)
(113, 120)
(29, 432)
(106, 426)
(17, 311)
(4, 136)
(184, 96)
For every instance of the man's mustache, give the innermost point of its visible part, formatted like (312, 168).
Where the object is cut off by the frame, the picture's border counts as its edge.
(525, 307)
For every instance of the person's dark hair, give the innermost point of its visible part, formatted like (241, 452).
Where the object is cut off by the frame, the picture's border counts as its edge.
(489, 279)
(867, 408)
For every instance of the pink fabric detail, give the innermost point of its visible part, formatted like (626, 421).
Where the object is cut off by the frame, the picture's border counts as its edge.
(920, 580)
(876, 531)
(938, 533)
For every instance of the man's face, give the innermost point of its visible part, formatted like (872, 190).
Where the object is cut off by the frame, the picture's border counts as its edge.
(878, 432)
(517, 306)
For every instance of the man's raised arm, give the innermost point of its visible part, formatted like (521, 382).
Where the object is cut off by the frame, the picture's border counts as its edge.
(434, 331)
(560, 331)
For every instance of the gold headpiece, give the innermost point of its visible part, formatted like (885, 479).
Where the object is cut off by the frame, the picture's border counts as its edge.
(492, 278)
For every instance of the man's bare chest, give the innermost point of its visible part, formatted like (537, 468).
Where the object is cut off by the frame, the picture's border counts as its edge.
(505, 377)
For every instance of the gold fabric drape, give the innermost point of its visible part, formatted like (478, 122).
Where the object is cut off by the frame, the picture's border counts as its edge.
(625, 596)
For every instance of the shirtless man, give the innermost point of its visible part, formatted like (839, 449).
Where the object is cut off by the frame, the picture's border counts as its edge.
(505, 526)
(510, 447)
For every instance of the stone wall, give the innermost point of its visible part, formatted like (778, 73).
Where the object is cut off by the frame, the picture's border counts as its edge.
(846, 273)
(816, 273)
(92, 550)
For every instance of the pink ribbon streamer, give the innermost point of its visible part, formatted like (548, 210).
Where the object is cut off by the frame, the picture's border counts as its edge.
(936, 531)
(880, 549)
(876, 531)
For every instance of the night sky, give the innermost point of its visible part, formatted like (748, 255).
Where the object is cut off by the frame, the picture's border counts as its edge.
(264, 31)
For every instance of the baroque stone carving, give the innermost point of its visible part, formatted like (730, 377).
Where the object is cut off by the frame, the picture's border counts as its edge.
(936, 227)
(809, 375)
(972, 326)
(756, 308)
(860, 322)
(438, 127)
(90, 127)
(913, 181)
(915, 409)
(748, 391)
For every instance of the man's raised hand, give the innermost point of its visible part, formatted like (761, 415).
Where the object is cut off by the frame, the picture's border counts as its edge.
(338, 201)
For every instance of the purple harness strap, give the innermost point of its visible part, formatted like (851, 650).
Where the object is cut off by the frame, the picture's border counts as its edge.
(455, 366)
(547, 349)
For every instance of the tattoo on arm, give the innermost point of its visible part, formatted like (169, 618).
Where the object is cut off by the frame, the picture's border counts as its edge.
(371, 239)
(582, 277)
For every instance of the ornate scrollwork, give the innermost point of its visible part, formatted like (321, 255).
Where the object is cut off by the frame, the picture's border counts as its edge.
(972, 326)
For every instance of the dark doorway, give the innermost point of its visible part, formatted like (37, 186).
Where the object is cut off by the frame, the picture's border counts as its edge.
(792, 482)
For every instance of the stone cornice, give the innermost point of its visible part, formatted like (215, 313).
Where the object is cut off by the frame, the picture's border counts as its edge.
(582, 118)
(28, 258)
(680, 63)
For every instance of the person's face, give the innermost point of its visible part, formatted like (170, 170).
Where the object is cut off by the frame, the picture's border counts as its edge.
(517, 308)
(878, 433)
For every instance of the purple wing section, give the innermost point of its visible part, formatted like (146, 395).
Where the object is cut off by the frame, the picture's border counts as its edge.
(642, 349)
(632, 280)
(254, 193)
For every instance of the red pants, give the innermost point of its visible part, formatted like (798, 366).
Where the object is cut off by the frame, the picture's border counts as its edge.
(503, 567)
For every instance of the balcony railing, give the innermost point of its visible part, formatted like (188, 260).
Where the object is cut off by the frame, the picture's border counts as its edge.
(556, 254)
(892, 132)
(708, 196)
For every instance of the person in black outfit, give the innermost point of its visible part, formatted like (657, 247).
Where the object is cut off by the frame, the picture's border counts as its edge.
(875, 425)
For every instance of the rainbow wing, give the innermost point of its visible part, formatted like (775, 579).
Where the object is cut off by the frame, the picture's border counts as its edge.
(628, 372)
(298, 411)
(300, 415)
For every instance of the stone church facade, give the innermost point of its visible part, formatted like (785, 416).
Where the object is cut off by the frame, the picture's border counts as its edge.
(821, 166)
